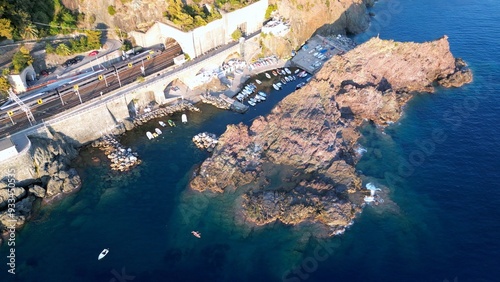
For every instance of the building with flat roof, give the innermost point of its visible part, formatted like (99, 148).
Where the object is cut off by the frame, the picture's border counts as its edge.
(7, 149)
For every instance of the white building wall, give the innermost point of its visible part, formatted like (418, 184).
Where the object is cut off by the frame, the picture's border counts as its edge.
(204, 38)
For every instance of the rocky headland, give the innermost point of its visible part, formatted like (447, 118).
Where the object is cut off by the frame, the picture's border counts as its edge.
(308, 141)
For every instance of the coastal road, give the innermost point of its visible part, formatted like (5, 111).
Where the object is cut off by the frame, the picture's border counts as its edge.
(53, 105)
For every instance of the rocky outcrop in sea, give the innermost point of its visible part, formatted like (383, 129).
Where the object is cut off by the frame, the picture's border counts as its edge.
(313, 133)
(121, 158)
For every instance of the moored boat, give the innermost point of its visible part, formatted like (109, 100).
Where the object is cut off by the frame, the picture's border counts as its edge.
(158, 131)
(196, 234)
(276, 87)
(149, 135)
(268, 76)
(260, 82)
(171, 123)
(251, 103)
(162, 123)
(261, 93)
(288, 71)
(275, 73)
(300, 85)
(184, 118)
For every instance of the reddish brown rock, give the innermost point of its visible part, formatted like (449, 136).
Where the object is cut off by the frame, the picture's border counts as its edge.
(314, 132)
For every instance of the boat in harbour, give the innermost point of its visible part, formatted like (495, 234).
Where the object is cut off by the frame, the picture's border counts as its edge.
(296, 71)
(196, 234)
(262, 98)
(184, 118)
(149, 135)
(288, 71)
(162, 123)
(261, 93)
(251, 103)
(103, 254)
(260, 82)
(300, 85)
(275, 73)
(171, 123)
(268, 76)
(276, 87)
(158, 131)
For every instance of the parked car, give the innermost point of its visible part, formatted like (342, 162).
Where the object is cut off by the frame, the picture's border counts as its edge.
(78, 58)
(93, 53)
(69, 63)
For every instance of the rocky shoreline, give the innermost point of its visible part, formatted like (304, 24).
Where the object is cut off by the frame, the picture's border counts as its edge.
(50, 177)
(164, 111)
(314, 131)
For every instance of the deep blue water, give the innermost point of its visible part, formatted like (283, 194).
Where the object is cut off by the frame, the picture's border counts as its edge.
(438, 163)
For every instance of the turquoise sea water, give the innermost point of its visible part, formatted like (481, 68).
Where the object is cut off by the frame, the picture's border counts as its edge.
(439, 164)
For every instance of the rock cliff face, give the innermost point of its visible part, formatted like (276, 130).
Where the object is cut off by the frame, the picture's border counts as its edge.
(306, 17)
(324, 17)
(52, 178)
(313, 133)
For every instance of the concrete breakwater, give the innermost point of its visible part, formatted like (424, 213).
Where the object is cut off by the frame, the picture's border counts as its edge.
(122, 159)
(223, 102)
(182, 106)
(206, 141)
(215, 101)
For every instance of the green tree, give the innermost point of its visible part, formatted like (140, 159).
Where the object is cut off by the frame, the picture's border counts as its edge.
(49, 49)
(236, 34)
(93, 39)
(63, 50)
(30, 32)
(4, 87)
(5, 28)
(111, 10)
(21, 60)
(270, 9)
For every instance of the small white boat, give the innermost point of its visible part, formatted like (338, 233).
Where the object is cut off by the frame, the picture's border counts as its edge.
(262, 98)
(162, 123)
(300, 85)
(253, 100)
(262, 94)
(258, 81)
(276, 87)
(251, 103)
(103, 254)
(184, 118)
(158, 131)
(296, 71)
(288, 71)
(149, 135)
(268, 76)
(196, 234)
